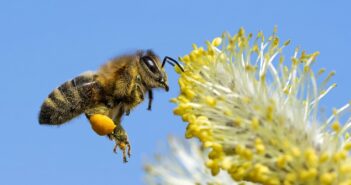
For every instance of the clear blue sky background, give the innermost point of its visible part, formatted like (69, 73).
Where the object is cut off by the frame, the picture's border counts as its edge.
(46, 42)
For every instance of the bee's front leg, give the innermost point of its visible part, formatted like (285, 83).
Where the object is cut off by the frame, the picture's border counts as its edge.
(151, 97)
(138, 90)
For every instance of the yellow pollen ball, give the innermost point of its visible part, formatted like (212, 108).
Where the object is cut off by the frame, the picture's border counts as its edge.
(102, 124)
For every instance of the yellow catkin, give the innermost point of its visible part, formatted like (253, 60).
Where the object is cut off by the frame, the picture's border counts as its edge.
(290, 162)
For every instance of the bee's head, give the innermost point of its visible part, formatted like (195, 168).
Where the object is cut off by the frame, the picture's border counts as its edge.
(152, 72)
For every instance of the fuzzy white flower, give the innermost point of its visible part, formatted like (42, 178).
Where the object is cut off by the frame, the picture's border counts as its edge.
(259, 115)
(184, 165)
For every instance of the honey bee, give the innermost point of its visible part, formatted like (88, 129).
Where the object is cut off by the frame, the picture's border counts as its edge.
(106, 95)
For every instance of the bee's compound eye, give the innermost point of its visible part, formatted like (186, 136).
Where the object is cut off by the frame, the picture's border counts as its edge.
(150, 64)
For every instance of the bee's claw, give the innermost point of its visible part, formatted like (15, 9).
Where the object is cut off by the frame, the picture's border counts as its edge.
(124, 156)
(115, 148)
(129, 148)
(124, 146)
(119, 136)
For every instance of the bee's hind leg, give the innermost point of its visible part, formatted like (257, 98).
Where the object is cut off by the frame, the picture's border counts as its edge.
(121, 138)
(119, 135)
(100, 122)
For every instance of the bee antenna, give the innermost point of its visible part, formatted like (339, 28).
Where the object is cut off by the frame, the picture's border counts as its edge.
(172, 62)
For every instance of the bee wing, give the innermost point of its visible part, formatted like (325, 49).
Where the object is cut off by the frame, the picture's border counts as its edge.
(84, 79)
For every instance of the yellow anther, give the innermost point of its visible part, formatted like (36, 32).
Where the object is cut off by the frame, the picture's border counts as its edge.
(324, 157)
(194, 46)
(185, 59)
(255, 123)
(210, 101)
(340, 156)
(287, 42)
(260, 149)
(311, 157)
(347, 146)
(282, 160)
(308, 174)
(345, 169)
(237, 121)
(291, 177)
(327, 178)
(181, 109)
(336, 126)
(217, 41)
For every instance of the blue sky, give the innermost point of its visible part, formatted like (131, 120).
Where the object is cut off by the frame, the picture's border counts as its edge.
(46, 42)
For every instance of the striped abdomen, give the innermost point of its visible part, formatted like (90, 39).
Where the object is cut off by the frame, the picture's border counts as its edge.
(70, 100)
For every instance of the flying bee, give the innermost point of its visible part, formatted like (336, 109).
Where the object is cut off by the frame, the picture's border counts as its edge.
(106, 95)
